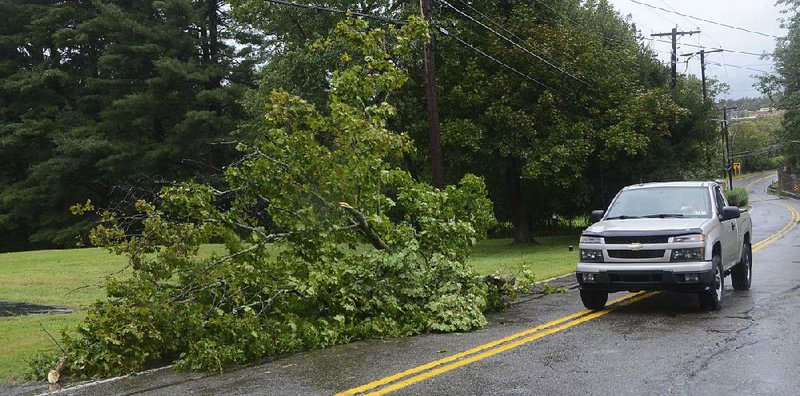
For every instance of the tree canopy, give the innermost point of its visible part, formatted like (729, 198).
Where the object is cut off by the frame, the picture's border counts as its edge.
(559, 138)
(110, 100)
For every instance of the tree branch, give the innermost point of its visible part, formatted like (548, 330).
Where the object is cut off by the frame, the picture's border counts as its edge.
(361, 221)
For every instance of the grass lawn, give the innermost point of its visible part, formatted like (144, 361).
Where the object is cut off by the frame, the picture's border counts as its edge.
(549, 257)
(71, 278)
(74, 278)
(22, 336)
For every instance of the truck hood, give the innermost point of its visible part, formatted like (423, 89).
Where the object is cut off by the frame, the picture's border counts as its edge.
(646, 226)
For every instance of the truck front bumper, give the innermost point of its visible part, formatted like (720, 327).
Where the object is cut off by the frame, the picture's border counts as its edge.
(614, 277)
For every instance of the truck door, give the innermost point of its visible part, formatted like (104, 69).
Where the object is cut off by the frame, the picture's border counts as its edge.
(728, 233)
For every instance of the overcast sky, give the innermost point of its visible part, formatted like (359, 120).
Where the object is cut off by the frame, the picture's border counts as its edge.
(754, 15)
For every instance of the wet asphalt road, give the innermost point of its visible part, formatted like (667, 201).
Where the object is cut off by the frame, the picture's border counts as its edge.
(662, 345)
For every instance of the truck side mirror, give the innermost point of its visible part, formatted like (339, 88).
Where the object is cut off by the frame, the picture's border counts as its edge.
(597, 215)
(730, 213)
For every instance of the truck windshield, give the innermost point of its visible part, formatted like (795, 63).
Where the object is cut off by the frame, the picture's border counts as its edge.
(661, 202)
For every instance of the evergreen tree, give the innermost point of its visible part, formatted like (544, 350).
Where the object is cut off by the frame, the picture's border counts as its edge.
(110, 94)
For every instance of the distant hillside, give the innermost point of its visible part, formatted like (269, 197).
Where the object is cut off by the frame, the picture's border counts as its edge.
(751, 104)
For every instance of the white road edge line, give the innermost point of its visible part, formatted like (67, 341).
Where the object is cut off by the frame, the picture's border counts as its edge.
(104, 381)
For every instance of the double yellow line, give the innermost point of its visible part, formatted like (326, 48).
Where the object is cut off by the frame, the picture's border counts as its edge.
(795, 218)
(420, 373)
(437, 367)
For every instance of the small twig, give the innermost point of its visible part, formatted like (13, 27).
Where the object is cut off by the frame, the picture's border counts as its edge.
(52, 338)
(99, 279)
(76, 289)
(119, 271)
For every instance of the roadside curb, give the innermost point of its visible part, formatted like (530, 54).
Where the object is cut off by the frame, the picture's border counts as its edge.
(90, 384)
(782, 193)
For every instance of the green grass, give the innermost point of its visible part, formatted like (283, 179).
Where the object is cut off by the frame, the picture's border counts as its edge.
(22, 337)
(71, 278)
(548, 257)
(74, 278)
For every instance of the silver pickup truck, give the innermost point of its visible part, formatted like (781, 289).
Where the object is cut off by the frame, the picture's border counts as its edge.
(678, 236)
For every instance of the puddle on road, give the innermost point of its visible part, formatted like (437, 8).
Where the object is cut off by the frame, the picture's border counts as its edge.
(16, 308)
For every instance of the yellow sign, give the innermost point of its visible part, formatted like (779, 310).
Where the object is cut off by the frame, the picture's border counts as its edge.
(737, 168)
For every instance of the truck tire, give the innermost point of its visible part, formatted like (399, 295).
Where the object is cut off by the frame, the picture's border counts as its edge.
(593, 299)
(712, 298)
(742, 273)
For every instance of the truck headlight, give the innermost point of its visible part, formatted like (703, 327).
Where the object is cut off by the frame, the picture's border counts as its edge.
(693, 254)
(591, 240)
(591, 256)
(689, 238)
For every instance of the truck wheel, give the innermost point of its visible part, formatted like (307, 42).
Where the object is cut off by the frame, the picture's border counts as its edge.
(712, 298)
(742, 274)
(593, 299)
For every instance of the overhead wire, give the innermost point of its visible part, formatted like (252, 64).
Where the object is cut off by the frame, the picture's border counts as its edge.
(503, 28)
(573, 21)
(478, 50)
(542, 57)
(652, 10)
(702, 33)
(759, 151)
(440, 29)
(338, 11)
(738, 67)
(673, 11)
(718, 48)
(690, 18)
(496, 33)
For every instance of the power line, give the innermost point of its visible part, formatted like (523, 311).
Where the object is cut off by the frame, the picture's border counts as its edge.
(673, 11)
(610, 40)
(541, 58)
(759, 151)
(503, 28)
(514, 43)
(472, 47)
(686, 17)
(702, 33)
(716, 48)
(338, 11)
(740, 67)
(499, 25)
(672, 21)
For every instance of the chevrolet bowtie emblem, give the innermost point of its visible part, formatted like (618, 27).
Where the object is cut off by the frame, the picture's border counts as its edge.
(635, 247)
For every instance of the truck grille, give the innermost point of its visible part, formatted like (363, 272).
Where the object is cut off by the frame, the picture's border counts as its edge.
(627, 240)
(636, 254)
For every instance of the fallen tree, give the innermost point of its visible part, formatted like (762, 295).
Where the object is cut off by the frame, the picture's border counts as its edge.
(325, 238)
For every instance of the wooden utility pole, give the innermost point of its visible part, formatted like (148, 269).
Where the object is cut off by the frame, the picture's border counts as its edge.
(726, 154)
(674, 59)
(437, 163)
(702, 54)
